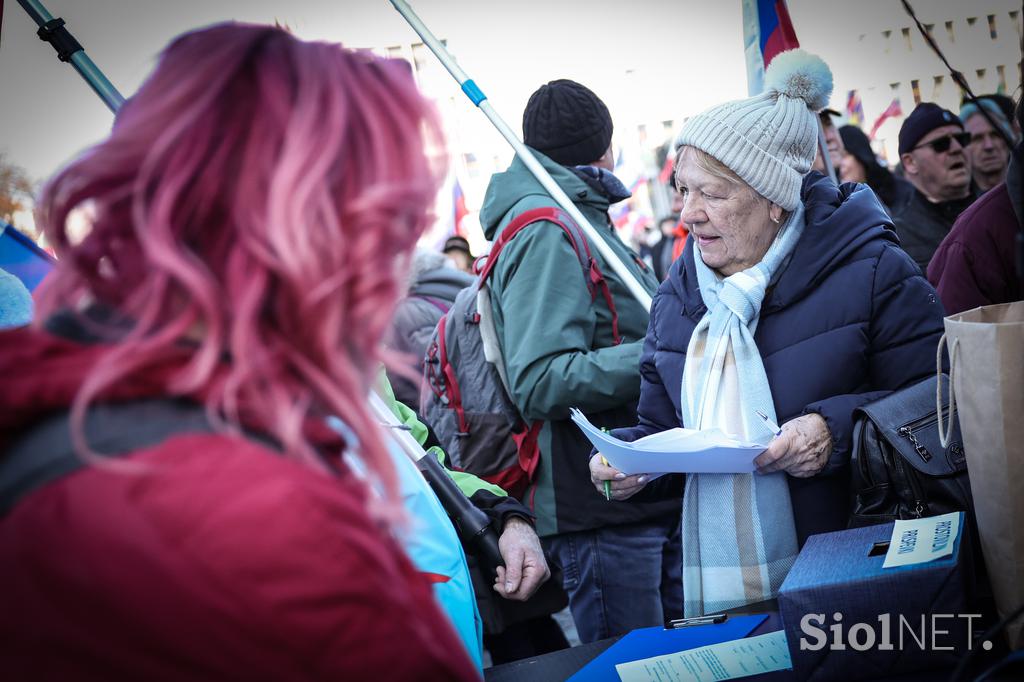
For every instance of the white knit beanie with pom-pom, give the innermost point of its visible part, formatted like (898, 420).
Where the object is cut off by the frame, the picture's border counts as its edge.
(769, 140)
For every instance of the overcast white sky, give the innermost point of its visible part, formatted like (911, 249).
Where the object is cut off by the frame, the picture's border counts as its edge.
(509, 48)
(650, 60)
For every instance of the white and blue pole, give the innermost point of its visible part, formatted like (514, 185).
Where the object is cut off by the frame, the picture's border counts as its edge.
(478, 98)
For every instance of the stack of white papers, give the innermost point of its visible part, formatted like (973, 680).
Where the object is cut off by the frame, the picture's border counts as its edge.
(725, 661)
(674, 451)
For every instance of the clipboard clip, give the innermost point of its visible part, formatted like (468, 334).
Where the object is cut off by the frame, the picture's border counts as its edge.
(709, 619)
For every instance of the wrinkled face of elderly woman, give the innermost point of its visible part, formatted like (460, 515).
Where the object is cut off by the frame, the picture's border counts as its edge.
(733, 224)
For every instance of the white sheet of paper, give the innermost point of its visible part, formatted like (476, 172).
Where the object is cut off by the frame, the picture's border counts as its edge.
(676, 450)
(725, 661)
(916, 541)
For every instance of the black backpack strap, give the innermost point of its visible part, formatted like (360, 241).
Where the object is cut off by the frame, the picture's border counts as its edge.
(45, 452)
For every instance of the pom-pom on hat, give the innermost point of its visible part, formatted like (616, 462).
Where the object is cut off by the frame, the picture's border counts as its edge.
(769, 140)
(568, 123)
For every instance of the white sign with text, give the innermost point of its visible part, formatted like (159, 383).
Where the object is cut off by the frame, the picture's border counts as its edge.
(917, 541)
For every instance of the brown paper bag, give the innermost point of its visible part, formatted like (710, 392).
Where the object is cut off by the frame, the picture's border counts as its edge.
(986, 351)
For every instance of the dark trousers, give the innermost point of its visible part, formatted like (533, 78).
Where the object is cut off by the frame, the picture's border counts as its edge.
(620, 578)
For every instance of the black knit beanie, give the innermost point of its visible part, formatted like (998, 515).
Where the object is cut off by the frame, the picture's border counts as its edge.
(568, 123)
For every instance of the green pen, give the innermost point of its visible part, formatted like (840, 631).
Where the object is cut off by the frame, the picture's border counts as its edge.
(607, 484)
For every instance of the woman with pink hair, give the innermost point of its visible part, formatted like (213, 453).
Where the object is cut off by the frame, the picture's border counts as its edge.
(172, 504)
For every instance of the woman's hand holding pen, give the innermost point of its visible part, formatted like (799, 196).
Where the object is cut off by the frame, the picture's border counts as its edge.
(620, 485)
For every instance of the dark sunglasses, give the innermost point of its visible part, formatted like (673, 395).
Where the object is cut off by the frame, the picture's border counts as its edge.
(942, 144)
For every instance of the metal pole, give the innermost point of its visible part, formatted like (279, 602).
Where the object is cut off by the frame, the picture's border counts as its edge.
(823, 146)
(480, 100)
(401, 435)
(70, 50)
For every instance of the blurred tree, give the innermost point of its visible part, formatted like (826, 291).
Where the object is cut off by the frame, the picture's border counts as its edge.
(15, 189)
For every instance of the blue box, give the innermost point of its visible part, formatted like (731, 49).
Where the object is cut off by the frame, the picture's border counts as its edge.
(20, 256)
(920, 611)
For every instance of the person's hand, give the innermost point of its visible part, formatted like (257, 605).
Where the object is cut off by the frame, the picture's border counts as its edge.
(801, 450)
(525, 567)
(622, 486)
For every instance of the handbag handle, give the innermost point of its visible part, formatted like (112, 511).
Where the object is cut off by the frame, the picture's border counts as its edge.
(946, 432)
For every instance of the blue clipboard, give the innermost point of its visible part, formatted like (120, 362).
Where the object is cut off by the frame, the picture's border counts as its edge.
(20, 256)
(656, 641)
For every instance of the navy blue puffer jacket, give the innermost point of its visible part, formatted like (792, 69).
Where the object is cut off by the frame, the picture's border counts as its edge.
(849, 320)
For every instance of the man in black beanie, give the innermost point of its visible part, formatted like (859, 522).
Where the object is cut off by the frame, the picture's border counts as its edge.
(932, 147)
(569, 124)
(564, 348)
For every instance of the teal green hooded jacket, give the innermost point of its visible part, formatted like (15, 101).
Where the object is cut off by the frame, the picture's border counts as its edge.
(558, 343)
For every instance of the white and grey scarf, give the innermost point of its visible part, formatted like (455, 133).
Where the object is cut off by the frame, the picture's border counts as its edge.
(739, 537)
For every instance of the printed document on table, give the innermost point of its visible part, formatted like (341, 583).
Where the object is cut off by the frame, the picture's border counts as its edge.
(725, 661)
(674, 451)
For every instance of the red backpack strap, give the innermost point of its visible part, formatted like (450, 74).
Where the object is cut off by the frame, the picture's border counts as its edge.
(598, 278)
(591, 271)
(454, 394)
(549, 214)
(529, 452)
(595, 277)
(443, 306)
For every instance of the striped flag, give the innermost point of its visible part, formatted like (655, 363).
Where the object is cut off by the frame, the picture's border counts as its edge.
(665, 176)
(893, 109)
(459, 210)
(854, 109)
(629, 170)
(450, 217)
(767, 31)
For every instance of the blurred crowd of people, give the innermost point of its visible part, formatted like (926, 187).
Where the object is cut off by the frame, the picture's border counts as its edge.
(948, 161)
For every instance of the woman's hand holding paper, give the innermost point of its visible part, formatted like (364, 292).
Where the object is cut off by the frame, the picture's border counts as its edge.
(801, 450)
(621, 485)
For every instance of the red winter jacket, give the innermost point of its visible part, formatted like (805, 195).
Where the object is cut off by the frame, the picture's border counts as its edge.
(975, 264)
(224, 561)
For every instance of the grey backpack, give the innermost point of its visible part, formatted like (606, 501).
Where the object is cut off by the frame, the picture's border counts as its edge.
(466, 398)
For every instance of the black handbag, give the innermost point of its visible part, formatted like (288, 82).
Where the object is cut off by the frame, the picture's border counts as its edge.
(899, 469)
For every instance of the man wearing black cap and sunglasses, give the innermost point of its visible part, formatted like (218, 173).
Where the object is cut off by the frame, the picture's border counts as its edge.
(932, 146)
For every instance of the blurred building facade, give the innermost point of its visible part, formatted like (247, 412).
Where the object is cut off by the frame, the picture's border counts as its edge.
(876, 49)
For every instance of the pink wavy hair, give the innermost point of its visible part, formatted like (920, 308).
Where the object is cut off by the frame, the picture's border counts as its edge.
(259, 195)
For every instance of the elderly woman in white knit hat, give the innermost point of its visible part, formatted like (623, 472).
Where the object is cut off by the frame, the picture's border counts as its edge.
(793, 299)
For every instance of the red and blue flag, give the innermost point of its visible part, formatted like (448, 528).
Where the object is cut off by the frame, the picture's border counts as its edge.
(894, 109)
(459, 209)
(767, 31)
(854, 109)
